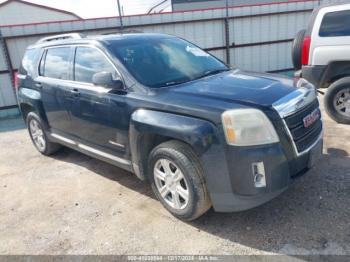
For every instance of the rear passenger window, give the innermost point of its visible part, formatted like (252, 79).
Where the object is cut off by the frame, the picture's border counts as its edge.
(57, 63)
(335, 24)
(89, 61)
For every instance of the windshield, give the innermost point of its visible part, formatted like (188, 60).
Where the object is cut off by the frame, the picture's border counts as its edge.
(166, 62)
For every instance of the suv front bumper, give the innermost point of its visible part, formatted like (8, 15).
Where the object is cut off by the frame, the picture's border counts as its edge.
(279, 174)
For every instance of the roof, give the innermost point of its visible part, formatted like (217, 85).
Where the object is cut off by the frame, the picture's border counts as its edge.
(40, 6)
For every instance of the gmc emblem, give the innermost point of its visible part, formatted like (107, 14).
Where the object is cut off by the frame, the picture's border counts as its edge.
(311, 118)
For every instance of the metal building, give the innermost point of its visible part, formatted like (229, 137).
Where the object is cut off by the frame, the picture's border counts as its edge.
(14, 13)
(252, 37)
(20, 12)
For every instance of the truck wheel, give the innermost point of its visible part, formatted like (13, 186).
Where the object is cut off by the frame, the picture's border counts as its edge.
(297, 47)
(337, 101)
(176, 178)
(39, 137)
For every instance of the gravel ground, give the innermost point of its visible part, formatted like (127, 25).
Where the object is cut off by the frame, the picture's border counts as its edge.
(73, 204)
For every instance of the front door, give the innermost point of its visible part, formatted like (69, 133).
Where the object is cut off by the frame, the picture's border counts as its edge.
(96, 112)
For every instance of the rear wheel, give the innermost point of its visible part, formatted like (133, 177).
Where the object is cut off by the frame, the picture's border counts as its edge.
(337, 101)
(39, 137)
(177, 181)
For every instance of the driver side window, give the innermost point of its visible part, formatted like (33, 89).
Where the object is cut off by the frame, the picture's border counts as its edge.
(89, 61)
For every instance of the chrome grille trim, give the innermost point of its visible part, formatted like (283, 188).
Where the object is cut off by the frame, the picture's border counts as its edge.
(295, 146)
(303, 96)
(295, 100)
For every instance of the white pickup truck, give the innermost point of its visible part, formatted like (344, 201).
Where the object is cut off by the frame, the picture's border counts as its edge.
(322, 53)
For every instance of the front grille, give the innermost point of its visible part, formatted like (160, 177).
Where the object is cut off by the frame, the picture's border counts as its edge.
(302, 136)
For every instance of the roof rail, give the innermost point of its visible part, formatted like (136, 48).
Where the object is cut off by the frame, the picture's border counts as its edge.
(60, 37)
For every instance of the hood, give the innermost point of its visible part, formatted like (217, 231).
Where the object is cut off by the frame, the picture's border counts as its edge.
(236, 86)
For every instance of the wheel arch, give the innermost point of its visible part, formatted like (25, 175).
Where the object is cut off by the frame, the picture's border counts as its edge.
(26, 109)
(30, 100)
(334, 71)
(150, 128)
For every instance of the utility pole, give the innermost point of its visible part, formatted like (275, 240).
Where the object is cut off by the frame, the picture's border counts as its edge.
(227, 36)
(226, 8)
(120, 16)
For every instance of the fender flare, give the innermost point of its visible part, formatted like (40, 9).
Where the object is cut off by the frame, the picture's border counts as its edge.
(32, 98)
(199, 134)
(334, 71)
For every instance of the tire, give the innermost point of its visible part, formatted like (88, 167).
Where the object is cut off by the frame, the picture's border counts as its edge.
(178, 157)
(40, 138)
(297, 48)
(334, 101)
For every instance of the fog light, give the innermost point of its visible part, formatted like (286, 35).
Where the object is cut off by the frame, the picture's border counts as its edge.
(259, 174)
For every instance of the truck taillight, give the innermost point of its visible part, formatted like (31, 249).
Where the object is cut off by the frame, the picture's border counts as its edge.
(15, 80)
(306, 50)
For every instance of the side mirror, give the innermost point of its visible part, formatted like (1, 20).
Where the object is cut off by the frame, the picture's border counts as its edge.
(106, 79)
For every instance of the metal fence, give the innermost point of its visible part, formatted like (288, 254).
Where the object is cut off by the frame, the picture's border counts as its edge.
(253, 37)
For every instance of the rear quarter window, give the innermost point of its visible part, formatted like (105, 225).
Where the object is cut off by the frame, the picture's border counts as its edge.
(29, 61)
(335, 24)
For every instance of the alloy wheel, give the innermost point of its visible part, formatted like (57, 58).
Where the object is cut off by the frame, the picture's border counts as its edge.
(342, 102)
(171, 184)
(37, 134)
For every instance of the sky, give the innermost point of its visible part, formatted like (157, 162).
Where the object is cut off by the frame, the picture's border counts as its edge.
(100, 8)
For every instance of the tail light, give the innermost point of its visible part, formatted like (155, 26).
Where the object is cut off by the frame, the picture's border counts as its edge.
(306, 50)
(15, 80)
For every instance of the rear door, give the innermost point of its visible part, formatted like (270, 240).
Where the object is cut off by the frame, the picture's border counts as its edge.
(54, 71)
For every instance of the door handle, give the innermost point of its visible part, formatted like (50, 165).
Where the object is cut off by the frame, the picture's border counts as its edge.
(75, 91)
(38, 85)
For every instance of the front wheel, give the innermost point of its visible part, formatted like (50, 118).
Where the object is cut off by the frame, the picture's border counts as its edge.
(337, 101)
(177, 181)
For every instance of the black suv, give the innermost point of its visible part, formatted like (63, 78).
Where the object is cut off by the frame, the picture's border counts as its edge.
(201, 133)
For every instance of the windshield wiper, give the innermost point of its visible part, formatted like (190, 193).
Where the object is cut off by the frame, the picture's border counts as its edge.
(171, 83)
(207, 73)
(213, 72)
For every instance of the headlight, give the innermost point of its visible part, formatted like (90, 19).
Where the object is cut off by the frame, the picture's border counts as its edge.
(247, 127)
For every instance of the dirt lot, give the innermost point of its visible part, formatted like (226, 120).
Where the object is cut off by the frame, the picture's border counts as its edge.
(73, 204)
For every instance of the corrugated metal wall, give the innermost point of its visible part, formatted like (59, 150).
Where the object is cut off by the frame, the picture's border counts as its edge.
(7, 94)
(259, 36)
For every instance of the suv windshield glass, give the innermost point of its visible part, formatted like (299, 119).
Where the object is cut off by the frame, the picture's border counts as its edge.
(166, 62)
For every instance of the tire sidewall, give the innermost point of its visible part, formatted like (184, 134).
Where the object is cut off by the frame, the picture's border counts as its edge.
(184, 164)
(33, 116)
(329, 100)
(297, 49)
